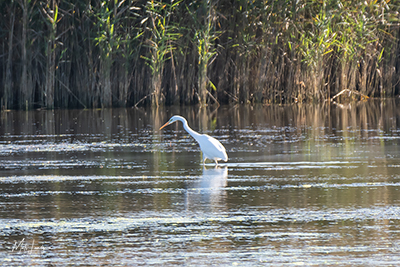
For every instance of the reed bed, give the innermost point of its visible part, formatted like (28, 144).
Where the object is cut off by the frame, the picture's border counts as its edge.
(90, 54)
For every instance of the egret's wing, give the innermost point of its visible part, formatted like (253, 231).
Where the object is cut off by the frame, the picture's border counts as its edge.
(216, 143)
(212, 147)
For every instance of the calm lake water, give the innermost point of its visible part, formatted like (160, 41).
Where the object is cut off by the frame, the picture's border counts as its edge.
(304, 185)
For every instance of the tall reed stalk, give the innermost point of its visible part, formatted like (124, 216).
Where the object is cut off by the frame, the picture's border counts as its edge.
(204, 18)
(51, 15)
(7, 100)
(160, 42)
(25, 89)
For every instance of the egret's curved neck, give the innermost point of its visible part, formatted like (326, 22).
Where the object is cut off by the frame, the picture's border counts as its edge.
(189, 130)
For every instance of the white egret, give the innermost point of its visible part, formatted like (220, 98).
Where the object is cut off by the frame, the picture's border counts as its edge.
(211, 147)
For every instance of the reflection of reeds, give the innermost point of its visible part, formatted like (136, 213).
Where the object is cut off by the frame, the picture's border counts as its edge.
(120, 53)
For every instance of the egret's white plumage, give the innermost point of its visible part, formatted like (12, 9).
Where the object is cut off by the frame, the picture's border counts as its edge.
(211, 147)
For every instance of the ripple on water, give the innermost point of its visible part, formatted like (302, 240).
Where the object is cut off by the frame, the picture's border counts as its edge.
(175, 221)
(62, 147)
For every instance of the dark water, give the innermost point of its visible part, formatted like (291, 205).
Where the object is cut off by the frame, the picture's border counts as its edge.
(304, 185)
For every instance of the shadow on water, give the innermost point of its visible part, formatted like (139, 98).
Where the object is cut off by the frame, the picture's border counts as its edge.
(304, 184)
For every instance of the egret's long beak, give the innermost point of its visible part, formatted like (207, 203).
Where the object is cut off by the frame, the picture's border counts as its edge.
(164, 125)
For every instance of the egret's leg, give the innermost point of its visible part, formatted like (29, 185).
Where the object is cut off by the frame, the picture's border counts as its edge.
(216, 162)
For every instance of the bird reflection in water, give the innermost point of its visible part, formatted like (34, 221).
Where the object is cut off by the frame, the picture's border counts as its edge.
(208, 191)
(214, 178)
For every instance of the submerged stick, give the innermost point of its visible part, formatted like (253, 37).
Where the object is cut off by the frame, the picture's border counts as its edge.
(232, 96)
(350, 92)
(213, 98)
(143, 98)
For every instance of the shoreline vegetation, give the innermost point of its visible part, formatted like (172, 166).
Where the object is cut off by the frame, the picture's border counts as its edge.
(123, 53)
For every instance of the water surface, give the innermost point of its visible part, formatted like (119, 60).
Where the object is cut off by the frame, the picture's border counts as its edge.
(304, 185)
